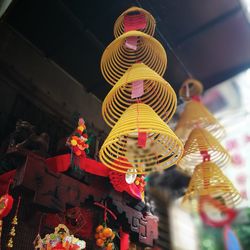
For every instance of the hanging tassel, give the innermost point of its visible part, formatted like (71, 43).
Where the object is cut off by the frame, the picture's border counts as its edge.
(14, 222)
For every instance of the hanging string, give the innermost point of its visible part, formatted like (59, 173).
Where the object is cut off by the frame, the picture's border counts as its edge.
(18, 205)
(187, 90)
(40, 223)
(8, 187)
(185, 69)
(106, 210)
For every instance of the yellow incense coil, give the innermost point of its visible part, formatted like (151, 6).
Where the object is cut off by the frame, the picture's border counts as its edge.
(158, 94)
(190, 87)
(150, 22)
(208, 180)
(199, 142)
(117, 57)
(162, 150)
(195, 114)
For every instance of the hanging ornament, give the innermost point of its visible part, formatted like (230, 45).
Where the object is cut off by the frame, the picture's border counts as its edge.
(14, 223)
(208, 180)
(162, 150)
(207, 204)
(190, 88)
(104, 235)
(157, 93)
(60, 240)
(134, 18)
(6, 203)
(210, 217)
(130, 176)
(78, 141)
(119, 55)
(125, 182)
(195, 114)
(202, 146)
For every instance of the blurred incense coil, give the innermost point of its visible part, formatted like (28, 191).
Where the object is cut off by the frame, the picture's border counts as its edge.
(190, 88)
(199, 145)
(118, 57)
(195, 115)
(162, 147)
(157, 93)
(208, 180)
(135, 15)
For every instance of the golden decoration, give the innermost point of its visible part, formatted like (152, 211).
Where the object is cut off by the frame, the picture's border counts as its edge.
(199, 143)
(150, 21)
(190, 88)
(117, 57)
(195, 114)
(208, 179)
(158, 94)
(162, 150)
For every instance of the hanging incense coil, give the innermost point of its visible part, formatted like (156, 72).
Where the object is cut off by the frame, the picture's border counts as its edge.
(195, 114)
(117, 57)
(136, 15)
(158, 94)
(190, 88)
(208, 179)
(162, 148)
(199, 145)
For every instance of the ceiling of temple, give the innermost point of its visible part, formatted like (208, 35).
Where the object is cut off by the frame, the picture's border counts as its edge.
(209, 40)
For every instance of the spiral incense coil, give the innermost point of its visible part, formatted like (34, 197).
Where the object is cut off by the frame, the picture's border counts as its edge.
(195, 114)
(149, 28)
(117, 57)
(199, 144)
(208, 179)
(158, 94)
(162, 148)
(190, 88)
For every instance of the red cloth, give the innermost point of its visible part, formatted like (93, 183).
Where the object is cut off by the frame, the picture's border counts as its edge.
(61, 163)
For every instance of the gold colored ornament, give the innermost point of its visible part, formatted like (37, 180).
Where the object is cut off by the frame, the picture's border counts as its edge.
(158, 94)
(162, 150)
(117, 57)
(14, 222)
(195, 114)
(208, 180)
(12, 232)
(199, 145)
(150, 21)
(190, 88)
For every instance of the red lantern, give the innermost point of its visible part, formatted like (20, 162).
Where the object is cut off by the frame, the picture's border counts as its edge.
(6, 202)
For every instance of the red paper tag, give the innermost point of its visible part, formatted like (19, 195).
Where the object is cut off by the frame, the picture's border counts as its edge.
(134, 22)
(131, 42)
(142, 139)
(196, 98)
(137, 89)
(205, 155)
